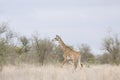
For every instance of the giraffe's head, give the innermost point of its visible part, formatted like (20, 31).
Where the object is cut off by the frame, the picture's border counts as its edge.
(57, 38)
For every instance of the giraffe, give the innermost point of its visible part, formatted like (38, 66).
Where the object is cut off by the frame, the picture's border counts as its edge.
(69, 54)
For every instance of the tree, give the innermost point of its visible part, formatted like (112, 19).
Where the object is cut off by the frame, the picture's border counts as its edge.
(6, 47)
(111, 46)
(104, 58)
(25, 43)
(44, 49)
(87, 56)
(3, 29)
(58, 52)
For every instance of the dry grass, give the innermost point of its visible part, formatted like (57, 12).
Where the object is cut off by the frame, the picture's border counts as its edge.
(52, 72)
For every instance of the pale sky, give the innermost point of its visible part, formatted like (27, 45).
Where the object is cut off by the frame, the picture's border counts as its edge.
(76, 21)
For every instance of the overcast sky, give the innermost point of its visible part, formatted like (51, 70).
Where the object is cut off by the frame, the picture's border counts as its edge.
(76, 21)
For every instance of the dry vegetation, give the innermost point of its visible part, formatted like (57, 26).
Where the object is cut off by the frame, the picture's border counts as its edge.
(54, 72)
(20, 52)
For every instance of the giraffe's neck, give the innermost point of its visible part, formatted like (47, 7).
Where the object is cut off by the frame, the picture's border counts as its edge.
(62, 44)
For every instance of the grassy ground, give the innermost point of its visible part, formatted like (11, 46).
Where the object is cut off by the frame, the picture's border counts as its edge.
(53, 72)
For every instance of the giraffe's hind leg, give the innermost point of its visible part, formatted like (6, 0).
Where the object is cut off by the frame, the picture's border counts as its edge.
(75, 64)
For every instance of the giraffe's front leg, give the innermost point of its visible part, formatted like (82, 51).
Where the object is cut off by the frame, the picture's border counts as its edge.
(65, 60)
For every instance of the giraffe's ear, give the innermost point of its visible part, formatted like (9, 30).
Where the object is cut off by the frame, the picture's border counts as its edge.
(57, 36)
